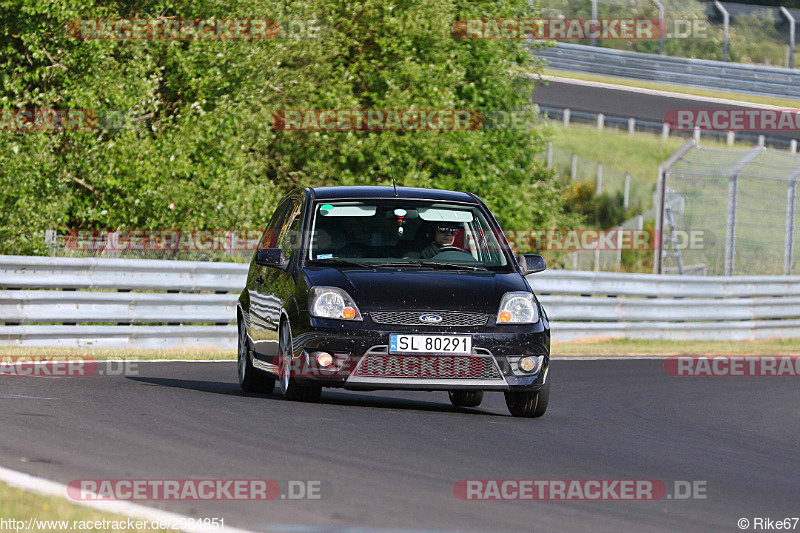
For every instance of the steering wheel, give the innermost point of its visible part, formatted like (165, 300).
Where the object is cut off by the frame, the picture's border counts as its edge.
(454, 253)
(449, 248)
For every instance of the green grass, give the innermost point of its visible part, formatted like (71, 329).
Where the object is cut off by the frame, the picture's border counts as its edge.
(195, 354)
(674, 88)
(20, 505)
(621, 347)
(640, 154)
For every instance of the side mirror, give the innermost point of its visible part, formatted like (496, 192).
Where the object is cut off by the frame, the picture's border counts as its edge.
(272, 257)
(531, 263)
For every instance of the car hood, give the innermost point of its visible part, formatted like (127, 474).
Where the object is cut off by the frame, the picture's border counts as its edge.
(387, 289)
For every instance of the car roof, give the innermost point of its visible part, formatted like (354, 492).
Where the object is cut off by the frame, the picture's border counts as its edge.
(363, 191)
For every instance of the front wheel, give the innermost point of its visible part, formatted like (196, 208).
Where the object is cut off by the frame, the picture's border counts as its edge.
(250, 379)
(466, 398)
(529, 404)
(291, 389)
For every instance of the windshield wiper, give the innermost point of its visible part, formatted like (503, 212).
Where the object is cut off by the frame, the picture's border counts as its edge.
(413, 263)
(451, 266)
(335, 261)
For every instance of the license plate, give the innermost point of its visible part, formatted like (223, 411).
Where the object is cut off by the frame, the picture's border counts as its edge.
(444, 344)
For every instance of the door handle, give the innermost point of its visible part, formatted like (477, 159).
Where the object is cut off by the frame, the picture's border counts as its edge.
(259, 280)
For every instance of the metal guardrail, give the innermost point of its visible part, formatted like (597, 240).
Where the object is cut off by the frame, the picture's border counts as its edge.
(139, 337)
(126, 307)
(120, 274)
(737, 77)
(194, 304)
(651, 286)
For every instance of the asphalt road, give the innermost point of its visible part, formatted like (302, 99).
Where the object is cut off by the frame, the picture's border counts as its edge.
(391, 459)
(626, 103)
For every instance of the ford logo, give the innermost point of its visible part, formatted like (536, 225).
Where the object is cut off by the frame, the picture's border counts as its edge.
(430, 319)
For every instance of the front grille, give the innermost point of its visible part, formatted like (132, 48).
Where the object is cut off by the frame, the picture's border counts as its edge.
(412, 318)
(427, 367)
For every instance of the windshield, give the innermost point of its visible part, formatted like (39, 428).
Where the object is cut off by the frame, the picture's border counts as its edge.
(409, 232)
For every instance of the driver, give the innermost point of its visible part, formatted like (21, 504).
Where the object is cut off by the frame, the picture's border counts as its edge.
(444, 237)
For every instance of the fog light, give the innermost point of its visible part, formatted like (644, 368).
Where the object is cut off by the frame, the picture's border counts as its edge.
(325, 360)
(528, 364)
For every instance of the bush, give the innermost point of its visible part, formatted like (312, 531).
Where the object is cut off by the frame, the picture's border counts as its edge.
(604, 212)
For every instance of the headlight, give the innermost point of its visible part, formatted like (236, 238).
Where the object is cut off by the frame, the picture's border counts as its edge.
(330, 302)
(517, 308)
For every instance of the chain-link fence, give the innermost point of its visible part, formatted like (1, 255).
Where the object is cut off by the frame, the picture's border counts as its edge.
(637, 193)
(609, 260)
(742, 205)
(637, 197)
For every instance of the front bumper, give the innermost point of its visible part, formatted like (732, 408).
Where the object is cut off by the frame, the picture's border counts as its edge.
(357, 345)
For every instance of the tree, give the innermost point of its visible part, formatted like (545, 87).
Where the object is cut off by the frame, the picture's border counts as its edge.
(202, 154)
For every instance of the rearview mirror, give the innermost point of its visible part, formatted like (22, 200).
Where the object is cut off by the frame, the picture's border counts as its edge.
(531, 263)
(272, 257)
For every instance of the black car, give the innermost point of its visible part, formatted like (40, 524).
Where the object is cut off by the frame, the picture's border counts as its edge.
(368, 288)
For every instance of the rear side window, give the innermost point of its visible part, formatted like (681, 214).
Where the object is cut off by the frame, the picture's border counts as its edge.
(270, 237)
(289, 238)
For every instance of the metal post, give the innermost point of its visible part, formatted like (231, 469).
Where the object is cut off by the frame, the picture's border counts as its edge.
(660, 200)
(788, 247)
(627, 193)
(662, 28)
(697, 135)
(791, 34)
(726, 24)
(50, 240)
(665, 132)
(599, 179)
(730, 225)
(594, 17)
(566, 117)
(549, 155)
(574, 173)
(619, 247)
(601, 120)
(731, 137)
(112, 246)
(793, 146)
(640, 222)
(631, 126)
(761, 140)
(659, 220)
(673, 238)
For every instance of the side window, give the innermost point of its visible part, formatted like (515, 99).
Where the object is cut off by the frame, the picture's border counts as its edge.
(289, 239)
(270, 236)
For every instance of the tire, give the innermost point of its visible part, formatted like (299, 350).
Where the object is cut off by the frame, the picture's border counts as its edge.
(291, 389)
(250, 379)
(528, 404)
(466, 398)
